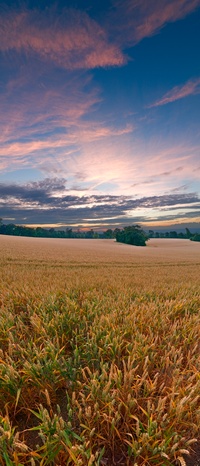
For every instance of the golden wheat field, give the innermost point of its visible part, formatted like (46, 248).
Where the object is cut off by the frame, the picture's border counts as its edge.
(99, 352)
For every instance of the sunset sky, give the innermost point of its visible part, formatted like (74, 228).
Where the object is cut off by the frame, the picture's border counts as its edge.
(100, 113)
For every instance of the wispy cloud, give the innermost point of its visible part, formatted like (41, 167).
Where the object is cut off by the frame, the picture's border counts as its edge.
(53, 126)
(31, 105)
(134, 20)
(179, 189)
(191, 87)
(73, 40)
(157, 14)
(156, 177)
(91, 132)
(53, 129)
(76, 41)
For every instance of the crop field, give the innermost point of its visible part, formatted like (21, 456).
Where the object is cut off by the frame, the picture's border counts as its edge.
(99, 352)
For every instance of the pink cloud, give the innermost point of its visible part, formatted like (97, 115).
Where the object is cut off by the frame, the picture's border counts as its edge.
(76, 41)
(73, 41)
(162, 13)
(64, 146)
(133, 20)
(113, 162)
(29, 109)
(47, 127)
(191, 87)
(88, 133)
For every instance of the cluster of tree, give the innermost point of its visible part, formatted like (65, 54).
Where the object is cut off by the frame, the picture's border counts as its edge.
(130, 234)
(195, 237)
(175, 234)
(39, 232)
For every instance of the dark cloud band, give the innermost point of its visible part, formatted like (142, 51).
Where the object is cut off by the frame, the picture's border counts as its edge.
(47, 202)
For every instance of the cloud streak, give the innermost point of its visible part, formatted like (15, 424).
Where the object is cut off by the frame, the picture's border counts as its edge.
(51, 125)
(191, 87)
(134, 20)
(74, 41)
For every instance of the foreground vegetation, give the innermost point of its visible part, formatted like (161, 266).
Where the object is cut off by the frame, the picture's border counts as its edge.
(99, 358)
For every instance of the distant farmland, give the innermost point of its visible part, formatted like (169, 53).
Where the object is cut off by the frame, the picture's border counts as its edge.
(99, 352)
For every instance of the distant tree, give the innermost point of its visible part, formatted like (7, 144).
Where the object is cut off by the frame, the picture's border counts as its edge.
(173, 234)
(132, 235)
(89, 234)
(108, 234)
(69, 233)
(195, 237)
(151, 234)
(181, 235)
(40, 232)
(2, 229)
(116, 230)
(188, 233)
(10, 229)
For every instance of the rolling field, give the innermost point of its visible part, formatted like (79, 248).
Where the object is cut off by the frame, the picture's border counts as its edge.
(99, 352)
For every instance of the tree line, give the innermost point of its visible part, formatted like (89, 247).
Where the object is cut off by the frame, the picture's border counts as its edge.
(132, 234)
(175, 234)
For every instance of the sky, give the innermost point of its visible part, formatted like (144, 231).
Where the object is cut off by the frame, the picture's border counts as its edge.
(99, 113)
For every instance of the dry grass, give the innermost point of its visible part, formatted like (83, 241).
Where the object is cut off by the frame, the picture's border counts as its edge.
(99, 352)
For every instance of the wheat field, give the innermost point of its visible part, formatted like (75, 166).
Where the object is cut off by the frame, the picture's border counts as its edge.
(99, 352)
